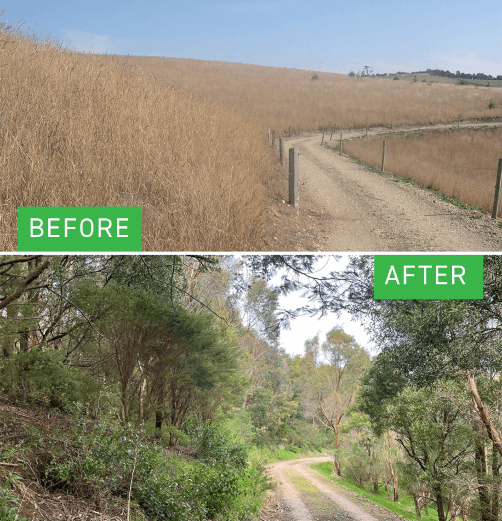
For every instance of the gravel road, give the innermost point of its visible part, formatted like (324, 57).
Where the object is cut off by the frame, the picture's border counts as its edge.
(372, 212)
(303, 494)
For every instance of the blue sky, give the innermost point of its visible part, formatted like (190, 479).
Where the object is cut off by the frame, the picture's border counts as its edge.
(317, 35)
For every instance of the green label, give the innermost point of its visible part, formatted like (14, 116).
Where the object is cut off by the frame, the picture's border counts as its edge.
(79, 229)
(428, 277)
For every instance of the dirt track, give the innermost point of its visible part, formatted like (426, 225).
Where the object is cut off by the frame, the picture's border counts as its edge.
(305, 495)
(371, 212)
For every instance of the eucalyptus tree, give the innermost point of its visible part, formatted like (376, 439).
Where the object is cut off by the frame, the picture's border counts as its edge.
(339, 364)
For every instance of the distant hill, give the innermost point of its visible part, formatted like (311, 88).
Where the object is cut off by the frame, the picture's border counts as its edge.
(441, 76)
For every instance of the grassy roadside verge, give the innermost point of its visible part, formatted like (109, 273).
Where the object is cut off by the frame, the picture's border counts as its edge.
(271, 455)
(267, 456)
(403, 508)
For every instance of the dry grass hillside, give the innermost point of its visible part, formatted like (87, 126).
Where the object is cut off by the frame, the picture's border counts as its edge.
(279, 97)
(462, 164)
(79, 131)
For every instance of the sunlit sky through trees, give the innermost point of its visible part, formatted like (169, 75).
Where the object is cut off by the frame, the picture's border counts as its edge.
(304, 328)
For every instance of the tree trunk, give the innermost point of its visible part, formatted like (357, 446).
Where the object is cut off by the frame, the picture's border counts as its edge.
(141, 400)
(336, 463)
(393, 475)
(425, 498)
(465, 509)
(483, 413)
(417, 506)
(481, 471)
(439, 504)
(496, 487)
(158, 422)
(6, 337)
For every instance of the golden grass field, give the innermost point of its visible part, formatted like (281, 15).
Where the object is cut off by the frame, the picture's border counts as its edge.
(461, 164)
(183, 139)
(279, 97)
(79, 131)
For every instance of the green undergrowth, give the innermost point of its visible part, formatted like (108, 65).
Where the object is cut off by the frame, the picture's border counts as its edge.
(404, 508)
(216, 480)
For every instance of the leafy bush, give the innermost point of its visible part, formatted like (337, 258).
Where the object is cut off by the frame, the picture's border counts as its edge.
(41, 375)
(356, 463)
(9, 504)
(315, 76)
(211, 445)
(220, 482)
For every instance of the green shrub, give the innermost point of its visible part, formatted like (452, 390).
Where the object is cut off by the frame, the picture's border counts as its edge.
(41, 375)
(220, 482)
(211, 445)
(315, 76)
(9, 504)
(356, 463)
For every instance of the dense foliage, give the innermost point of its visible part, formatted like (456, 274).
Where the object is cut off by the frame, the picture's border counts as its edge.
(172, 371)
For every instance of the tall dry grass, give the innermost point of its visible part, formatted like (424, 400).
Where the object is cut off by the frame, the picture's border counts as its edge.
(461, 164)
(279, 97)
(79, 131)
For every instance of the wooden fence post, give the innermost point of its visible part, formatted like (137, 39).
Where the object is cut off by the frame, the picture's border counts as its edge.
(383, 156)
(268, 134)
(281, 150)
(458, 121)
(366, 131)
(322, 140)
(331, 134)
(289, 130)
(273, 138)
(341, 143)
(293, 176)
(335, 127)
(497, 191)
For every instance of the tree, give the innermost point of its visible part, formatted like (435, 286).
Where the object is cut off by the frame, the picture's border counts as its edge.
(340, 363)
(436, 435)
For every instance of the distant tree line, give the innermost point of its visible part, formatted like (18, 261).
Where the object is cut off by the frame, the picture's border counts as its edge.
(448, 74)
(462, 75)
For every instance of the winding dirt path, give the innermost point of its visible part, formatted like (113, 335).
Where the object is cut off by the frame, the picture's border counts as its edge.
(371, 212)
(305, 495)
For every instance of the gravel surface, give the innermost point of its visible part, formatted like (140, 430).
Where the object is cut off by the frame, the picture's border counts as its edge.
(366, 211)
(304, 494)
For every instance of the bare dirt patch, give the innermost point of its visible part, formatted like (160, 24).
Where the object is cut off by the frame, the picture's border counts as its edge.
(27, 437)
(306, 228)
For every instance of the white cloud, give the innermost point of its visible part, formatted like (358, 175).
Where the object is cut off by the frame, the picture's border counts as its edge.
(88, 42)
